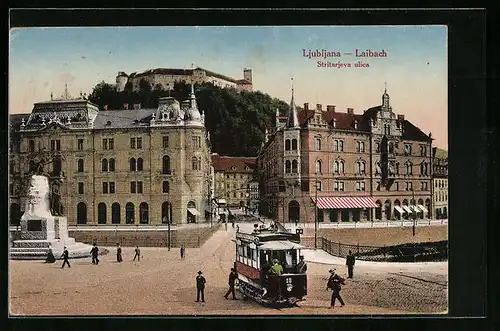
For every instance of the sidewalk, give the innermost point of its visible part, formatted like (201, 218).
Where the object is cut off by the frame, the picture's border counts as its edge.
(321, 257)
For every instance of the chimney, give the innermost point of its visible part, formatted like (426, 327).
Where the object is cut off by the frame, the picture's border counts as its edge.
(137, 106)
(306, 105)
(319, 106)
(350, 111)
(330, 108)
(125, 106)
(401, 117)
(105, 107)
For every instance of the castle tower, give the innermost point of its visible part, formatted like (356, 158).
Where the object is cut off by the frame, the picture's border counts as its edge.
(121, 81)
(247, 74)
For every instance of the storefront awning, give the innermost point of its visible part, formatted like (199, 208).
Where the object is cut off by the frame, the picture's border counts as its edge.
(346, 203)
(407, 209)
(401, 210)
(193, 211)
(415, 209)
(423, 208)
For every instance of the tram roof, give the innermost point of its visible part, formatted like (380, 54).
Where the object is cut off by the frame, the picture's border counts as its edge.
(279, 245)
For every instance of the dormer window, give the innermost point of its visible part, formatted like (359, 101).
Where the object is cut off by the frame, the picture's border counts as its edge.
(334, 122)
(356, 125)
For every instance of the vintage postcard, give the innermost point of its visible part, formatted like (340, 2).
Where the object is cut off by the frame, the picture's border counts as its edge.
(243, 170)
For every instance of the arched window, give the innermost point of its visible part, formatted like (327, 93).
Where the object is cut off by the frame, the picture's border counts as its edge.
(408, 168)
(294, 166)
(377, 147)
(139, 164)
(101, 213)
(166, 164)
(166, 212)
(80, 165)
(336, 167)
(294, 144)
(133, 164)
(358, 167)
(81, 213)
(166, 186)
(318, 166)
(111, 164)
(397, 168)
(194, 163)
(104, 165)
(363, 167)
(288, 166)
(199, 163)
(115, 213)
(336, 145)
(317, 144)
(294, 211)
(287, 144)
(144, 213)
(341, 167)
(129, 213)
(378, 168)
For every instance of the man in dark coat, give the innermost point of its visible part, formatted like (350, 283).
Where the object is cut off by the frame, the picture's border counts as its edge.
(233, 275)
(95, 253)
(200, 287)
(118, 253)
(349, 262)
(302, 266)
(335, 283)
(65, 256)
(137, 254)
(183, 251)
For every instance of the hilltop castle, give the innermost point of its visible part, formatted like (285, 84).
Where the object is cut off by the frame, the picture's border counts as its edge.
(167, 77)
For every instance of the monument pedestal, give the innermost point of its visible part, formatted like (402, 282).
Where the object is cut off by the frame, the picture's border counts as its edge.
(41, 230)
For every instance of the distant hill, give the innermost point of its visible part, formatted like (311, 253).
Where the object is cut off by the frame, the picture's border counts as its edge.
(236, 120)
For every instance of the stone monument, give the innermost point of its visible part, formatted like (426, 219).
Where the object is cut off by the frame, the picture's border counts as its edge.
(40, 229)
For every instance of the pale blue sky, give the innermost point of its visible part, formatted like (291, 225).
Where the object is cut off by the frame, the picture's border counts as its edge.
(42, 60)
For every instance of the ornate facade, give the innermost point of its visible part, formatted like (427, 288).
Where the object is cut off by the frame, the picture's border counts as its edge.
(141, 166)
(370, 166)
(440, 182)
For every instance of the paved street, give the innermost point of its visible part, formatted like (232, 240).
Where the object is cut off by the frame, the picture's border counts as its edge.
(163, 284)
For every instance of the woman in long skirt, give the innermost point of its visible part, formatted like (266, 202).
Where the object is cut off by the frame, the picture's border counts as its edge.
(50, 256)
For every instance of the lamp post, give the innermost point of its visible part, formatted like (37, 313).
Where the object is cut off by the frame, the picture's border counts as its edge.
(316, 214)
(414, 213)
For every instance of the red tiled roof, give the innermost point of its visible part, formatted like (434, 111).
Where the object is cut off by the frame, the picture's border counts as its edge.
(225, 163)
(344, 121)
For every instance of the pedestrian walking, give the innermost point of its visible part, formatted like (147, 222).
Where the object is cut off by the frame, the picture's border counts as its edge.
(50, 256)
(349, 262)
(233, 275)
(335, 283)
(183, 252)
(137, 254)
(118, 253)
(65, 256)
(200, 287)
(95, 253)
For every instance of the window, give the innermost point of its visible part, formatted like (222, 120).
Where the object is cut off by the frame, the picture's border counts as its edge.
(287, 144)
(318, 166)
(105, 143)
(133, 187)
(140, 164)
(423, 186)
(132, 143)
(341, 167)
(196, 142)
(294, 166)
(378, 168)
(194, 163)
(319, 186)
(408, 167)
(423, 150)
(360, 146)
(80, 144)
(166, 165)
(111, 143)
(397, 168)
(378, 186)
(133, 164)
(360, 186)
(407, 149)
(294, 144)
(111, 164)
(104, 187)
(139, 143)
(55, 145)
(408, 186)
(165, 141)
(397, 186)
(104, 165)
(377, 147)
(338, 145)
(112, 187)
(317, 144)
(341, 145)
(31, 146)
(288, 166)
(360, 167)
(80, 165)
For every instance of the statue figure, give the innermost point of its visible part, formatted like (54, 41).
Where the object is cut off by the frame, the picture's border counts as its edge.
(378, 168)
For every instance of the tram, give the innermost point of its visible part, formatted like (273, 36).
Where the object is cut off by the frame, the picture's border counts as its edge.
(255, 254)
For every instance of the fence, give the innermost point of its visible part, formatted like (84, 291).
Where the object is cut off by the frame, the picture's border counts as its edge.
(417, 252)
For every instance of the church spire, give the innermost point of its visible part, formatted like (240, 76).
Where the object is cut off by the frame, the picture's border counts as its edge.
(292, 121)
(385, 98)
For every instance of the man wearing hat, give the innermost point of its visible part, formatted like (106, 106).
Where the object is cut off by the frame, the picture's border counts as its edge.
(233, 275)
(335, 283)
(301, 266)
(276, 269)
(200, 287)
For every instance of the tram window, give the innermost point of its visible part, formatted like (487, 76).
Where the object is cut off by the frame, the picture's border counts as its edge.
(249, 252)
(288, 257)
(254, 257)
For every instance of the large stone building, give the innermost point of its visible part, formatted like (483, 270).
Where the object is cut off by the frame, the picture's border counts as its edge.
(234, 180)
(370, 166)
(440, 182)
(140, 166)
(167, 77)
